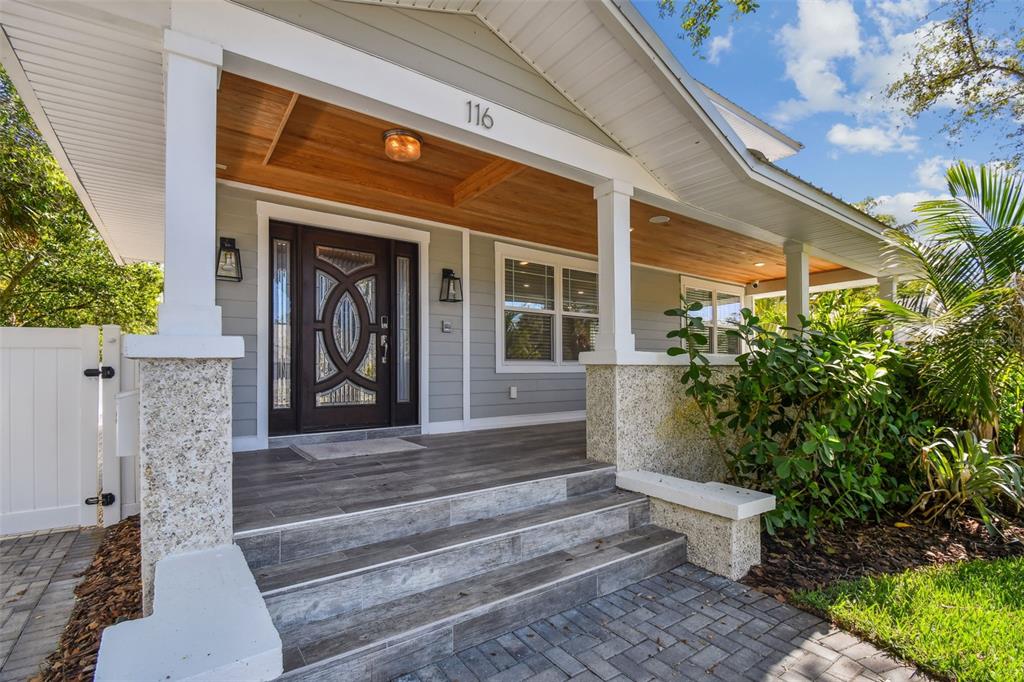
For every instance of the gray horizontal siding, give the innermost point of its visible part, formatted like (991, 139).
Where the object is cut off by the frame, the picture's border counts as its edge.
(445, 349)
(236, 218)
(654, 292)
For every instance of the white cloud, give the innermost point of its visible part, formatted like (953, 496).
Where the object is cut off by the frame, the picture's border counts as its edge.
(718, 46)
(871, 139)
(931, 173)
(900, 205)
(826, 31)
(840, 62)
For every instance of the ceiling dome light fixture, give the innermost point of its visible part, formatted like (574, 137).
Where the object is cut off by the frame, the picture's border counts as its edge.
(402, 145)
(659, 219)
(759, 264)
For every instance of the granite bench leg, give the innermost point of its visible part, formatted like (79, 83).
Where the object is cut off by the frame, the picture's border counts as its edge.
(721, 545)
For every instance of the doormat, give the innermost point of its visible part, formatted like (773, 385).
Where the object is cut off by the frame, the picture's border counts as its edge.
(355, 448)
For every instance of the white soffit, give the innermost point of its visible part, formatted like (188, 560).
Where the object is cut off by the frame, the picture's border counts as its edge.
(97, 95)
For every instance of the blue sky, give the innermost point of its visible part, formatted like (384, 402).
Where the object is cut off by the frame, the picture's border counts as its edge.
(816, 70)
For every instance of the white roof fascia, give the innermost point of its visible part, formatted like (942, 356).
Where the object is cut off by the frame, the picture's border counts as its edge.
(17, 75)
(662, 60)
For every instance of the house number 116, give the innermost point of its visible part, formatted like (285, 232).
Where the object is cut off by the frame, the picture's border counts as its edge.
(478, 116)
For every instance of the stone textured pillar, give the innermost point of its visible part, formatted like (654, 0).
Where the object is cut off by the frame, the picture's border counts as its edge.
(639, 418)
(724, 546)
(185, 458)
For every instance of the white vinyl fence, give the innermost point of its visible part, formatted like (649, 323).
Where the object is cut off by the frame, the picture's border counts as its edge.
(57, 399)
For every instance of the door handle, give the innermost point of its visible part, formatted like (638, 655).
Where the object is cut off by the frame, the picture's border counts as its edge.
(383, 349)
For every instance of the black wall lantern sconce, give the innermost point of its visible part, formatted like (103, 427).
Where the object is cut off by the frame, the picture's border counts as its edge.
(451, 286)
(229, 261)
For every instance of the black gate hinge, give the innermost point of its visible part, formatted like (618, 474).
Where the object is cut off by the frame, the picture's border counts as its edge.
(106, 499)
(103, 372)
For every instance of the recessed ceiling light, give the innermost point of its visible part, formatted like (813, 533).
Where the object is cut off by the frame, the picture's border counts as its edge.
(659, 219)
(759, 264)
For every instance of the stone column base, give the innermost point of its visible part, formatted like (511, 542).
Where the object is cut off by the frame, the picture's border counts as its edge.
(185, 458)
(638, 418)
(721, 545)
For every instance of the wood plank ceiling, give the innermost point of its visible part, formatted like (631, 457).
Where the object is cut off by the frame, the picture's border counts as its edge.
(270, 137)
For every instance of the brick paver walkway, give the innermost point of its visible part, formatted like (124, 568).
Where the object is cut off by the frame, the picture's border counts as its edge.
(39, 574)
(686, 624)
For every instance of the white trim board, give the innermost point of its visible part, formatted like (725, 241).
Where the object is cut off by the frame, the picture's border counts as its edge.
(267, 211)
(484, 423)
(467, 355)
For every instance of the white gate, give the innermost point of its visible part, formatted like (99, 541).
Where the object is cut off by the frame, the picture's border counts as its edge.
(56, 398)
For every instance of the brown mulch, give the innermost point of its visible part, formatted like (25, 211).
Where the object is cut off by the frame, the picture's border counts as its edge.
(790, 563)
(110, 592)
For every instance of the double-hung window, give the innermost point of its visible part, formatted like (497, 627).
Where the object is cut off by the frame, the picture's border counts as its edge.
(720, 311)
(547, 309)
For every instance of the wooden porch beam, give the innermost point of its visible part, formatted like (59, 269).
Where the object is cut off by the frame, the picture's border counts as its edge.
(484, 179)
(280, 127)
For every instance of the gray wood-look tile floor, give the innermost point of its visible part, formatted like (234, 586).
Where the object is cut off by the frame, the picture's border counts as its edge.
(40, 573)
(273, 487)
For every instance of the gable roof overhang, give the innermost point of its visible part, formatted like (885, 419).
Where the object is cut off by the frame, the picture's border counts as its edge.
(600, 55)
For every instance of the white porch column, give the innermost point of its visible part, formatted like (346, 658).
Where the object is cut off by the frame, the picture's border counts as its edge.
(887, 287)
(190, 198)
(185, 370)
(615, 333)
(797, 283)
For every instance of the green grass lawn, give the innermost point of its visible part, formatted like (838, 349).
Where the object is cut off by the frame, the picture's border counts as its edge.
(961, 621)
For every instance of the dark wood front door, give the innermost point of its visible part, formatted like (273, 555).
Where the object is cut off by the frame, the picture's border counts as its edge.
(353, 362)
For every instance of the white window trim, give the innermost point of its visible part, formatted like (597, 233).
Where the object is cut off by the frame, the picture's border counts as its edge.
(559, 261)
(715, 288)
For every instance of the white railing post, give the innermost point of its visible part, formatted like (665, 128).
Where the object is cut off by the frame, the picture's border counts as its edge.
(89, 417)
(110, 466)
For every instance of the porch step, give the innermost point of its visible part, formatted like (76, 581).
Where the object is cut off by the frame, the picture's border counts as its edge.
(270, 543)
(401, 635)
(311, 589)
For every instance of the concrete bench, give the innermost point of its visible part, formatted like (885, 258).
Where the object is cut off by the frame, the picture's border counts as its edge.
(209, 622)
(721, 522)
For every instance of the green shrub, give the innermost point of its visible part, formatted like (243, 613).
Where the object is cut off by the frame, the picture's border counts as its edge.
(961, 472)
(819, 419)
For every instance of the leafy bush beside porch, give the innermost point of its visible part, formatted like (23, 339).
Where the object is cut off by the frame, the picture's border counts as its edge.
(822, 420)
